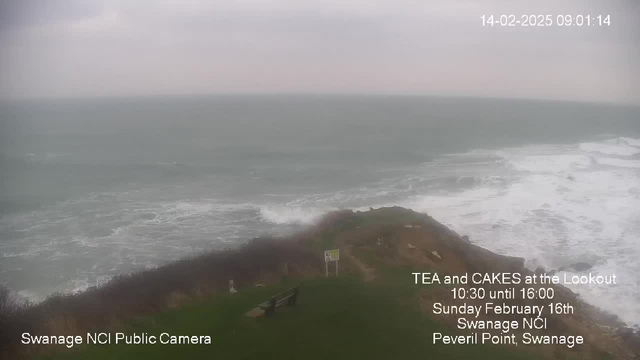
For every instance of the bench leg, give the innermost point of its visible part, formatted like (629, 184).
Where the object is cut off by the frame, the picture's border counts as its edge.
(292, 300)
(272, 307)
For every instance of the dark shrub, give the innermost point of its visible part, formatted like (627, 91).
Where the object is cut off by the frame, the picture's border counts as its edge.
(147, 291)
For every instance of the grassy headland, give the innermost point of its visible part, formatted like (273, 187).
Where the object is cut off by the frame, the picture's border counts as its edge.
(373, 310)
(341, 318)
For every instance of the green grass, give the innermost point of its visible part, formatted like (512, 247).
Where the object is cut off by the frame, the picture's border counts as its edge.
(336, 318)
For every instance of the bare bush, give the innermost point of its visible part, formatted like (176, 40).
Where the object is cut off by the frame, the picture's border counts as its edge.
(148, 291)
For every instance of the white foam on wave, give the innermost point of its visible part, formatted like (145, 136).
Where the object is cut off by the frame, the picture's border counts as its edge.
(550, 163)
(620, 162)
(86, 282)
(27, 296)
(561, 207)
(110, 234)
(630, 141)
(617, 146)
(189, 208)
(552, 204)
(291, 215)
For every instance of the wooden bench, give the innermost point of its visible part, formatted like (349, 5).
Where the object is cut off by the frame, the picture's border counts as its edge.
(288, 297)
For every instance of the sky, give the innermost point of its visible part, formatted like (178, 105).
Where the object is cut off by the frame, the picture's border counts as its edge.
(85, 48)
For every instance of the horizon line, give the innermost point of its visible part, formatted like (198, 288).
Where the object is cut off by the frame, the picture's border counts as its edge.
(313, 94)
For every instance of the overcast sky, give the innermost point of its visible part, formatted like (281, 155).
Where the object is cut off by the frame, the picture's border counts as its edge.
(84, 48)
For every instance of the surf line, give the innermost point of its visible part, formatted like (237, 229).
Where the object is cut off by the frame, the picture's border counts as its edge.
(497, 309)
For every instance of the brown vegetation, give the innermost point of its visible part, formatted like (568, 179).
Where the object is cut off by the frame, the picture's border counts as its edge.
(149, 291)
(412, 243)
(370, 242)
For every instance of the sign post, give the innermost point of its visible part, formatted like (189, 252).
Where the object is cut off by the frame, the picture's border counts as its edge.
(331, 255)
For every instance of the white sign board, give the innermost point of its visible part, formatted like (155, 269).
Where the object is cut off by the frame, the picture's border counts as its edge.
(332, 255)
(329, 256)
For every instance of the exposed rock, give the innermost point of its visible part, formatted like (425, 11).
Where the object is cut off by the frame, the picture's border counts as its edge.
(579, 266)
(410, 246)
(466, 238)
(435, 256)
(514, 261)
(630, 337)
(624, 332)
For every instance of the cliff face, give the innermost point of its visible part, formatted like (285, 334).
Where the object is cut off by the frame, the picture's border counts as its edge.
(396, 237)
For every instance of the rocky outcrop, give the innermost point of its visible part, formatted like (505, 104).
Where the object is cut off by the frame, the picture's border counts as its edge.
(577, 267)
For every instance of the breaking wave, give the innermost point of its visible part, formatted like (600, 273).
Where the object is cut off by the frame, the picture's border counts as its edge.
(291, 215)
(569, 202)
(619, 146)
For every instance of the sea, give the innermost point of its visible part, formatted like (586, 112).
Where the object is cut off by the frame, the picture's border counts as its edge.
(92, 188)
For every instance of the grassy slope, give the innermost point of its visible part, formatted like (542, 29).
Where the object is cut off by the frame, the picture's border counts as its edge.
(338, 318)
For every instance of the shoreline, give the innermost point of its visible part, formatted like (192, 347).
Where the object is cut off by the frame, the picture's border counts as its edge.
(390, 237)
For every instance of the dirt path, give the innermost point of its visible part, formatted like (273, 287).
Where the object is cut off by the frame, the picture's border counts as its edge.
(368, 272)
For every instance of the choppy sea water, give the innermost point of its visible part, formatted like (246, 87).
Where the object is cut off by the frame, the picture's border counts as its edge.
(96, 188)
